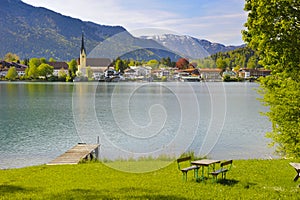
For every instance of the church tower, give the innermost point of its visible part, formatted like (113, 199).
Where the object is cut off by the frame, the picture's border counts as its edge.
(82, 58)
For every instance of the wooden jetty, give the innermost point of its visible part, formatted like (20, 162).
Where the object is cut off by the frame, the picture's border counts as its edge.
(76, 154)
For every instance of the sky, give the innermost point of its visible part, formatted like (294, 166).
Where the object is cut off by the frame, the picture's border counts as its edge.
(218, 21)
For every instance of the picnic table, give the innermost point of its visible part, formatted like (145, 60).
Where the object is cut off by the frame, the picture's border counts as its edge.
(297, 168)
(205, 163)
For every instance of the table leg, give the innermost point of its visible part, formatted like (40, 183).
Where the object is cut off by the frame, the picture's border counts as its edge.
(297, 176)
(213, 167)
(196, 173)
(208, 171)
(202, 176)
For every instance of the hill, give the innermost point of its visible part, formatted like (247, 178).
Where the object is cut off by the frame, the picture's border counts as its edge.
(30, 31)
(38, 32)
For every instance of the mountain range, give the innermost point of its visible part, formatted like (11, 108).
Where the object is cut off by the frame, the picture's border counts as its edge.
(32, 31)
(189, 46)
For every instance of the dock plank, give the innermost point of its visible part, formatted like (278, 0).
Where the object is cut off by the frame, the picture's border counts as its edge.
(74, 155)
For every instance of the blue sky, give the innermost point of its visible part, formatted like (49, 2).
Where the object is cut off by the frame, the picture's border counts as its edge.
(215, 20)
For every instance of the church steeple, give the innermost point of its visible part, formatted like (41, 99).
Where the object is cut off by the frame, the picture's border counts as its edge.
(82, 44)
(82, 58)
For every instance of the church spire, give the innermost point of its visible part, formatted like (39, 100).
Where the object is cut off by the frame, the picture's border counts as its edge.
(82, 44)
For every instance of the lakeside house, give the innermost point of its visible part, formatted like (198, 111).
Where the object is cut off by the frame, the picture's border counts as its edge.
(211, 74)
(137, 72)
(231, 74)
(4, 67)
(256, 73)
(130, 74)
(58, 66)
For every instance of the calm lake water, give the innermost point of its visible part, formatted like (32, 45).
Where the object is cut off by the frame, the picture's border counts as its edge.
(40, 121)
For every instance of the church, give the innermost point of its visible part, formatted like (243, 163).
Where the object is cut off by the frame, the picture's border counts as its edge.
(97, 65)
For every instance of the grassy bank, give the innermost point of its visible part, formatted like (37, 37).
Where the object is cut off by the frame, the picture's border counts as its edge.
(248, 179)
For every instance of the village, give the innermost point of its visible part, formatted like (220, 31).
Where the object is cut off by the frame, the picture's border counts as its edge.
(104, 69)
(101, 71)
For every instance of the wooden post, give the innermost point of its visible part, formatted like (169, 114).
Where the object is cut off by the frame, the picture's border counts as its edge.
(97, 149)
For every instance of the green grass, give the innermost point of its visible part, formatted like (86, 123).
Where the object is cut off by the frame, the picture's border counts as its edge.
(248, 179)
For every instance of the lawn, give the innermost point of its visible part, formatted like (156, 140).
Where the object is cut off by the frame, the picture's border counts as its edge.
(248, 179)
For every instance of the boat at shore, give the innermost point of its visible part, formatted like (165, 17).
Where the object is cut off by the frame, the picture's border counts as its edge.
(190, 78)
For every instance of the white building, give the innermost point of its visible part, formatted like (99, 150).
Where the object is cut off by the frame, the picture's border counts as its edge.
(58, 66)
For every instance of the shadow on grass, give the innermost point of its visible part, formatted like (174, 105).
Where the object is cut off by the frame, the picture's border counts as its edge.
(11, 189)
(154, 196)
(123, 193)
(228, 182)
(247, 184)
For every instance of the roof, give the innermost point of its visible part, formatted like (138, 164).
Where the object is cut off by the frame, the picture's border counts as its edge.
(211, 70)
(129, 70)
(58, 65)
(189, 70)
(98, 69)
(98, 62)
(255, 70)
(82, 44)
(12, 64)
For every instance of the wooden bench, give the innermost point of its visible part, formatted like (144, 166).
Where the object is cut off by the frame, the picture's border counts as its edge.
(224, 168)
(185, 170)
(297, 168)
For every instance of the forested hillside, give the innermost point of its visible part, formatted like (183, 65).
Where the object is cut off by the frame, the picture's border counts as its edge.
(239, 58)
(38, 32)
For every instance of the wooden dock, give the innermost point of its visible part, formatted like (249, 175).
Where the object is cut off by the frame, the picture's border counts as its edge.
(75, 154)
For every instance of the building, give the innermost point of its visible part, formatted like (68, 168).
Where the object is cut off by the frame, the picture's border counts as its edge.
(208, 74)
(130, 74)
(142, 71)
(58, 66)
(4, 67)
(97, 65)
(256, 73)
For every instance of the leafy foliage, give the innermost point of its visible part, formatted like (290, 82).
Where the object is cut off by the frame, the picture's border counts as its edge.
(72, 68)
(11, 57)
(273, 30)
(182, 63)
(11, 74)
(243, 57)
(62, 75)
(45, 70)
(120, 65)
(89, 73)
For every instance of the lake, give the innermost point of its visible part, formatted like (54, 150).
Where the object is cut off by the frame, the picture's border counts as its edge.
(40, 121)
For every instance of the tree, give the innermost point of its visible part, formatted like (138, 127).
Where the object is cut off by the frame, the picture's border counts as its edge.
(166, 61)
(131, 63)
(11, 57)
(89, 73)
(251, 64)
(43, 60)
(62, 75)
(11, 74)
(52, 60)
(32, 72)
(34, 62)
(119, 65)
(182, 63)
(221, 64)
(45, 70)
(273, 30)
(153, 63)
(72, 68)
